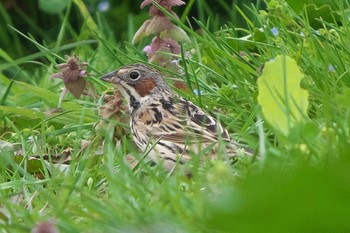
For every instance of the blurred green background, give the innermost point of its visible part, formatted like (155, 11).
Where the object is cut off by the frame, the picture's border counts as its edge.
(301, 185)
(41, 19)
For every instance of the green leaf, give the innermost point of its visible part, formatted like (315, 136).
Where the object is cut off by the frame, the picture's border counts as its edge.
(343, 99)
(178, 34)
(53, 6)
(327, 10)
(89, 23)
(297, 194)
(284, 103)
(33, 114)
(299, 6)
(5, 56)
(33, 165)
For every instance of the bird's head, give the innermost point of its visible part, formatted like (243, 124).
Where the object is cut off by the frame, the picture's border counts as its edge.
(137, 81)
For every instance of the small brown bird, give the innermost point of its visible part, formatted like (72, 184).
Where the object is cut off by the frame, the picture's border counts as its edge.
(171, 128)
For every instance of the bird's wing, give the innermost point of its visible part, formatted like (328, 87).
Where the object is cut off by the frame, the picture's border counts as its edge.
(201, 123)
(182, 122)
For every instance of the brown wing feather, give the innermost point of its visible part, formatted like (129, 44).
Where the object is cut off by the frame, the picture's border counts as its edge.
(182, 122)
(211, 129)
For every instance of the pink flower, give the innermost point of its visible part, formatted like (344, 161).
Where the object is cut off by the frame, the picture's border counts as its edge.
(166, 45)
(153, 10)
(164, 3)
(147, 49)
(152, 26)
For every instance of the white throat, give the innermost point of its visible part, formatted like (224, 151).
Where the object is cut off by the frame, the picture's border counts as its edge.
(144, 99)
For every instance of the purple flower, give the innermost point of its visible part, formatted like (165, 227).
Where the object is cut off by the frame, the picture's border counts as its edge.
(147, 49)
(103, 6)
(274, 31)
(83, 73)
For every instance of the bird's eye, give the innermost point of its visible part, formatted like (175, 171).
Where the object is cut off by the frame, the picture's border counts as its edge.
(134, 75)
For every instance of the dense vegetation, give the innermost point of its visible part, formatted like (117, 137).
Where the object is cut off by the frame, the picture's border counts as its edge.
(297, 182)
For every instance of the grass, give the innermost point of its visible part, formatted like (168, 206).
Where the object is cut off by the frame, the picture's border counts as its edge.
(300, 185)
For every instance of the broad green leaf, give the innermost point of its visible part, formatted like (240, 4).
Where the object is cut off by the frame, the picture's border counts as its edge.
(47, 95)
(283, 102)
(297, 194)
(89, 21)
(5, 56)
(33, 165)
(178, 34)
(343, 99)
(327, 10)
(72, 111)
(53, 6)
(33, 114)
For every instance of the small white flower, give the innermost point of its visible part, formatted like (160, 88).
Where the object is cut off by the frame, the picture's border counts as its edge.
(197, 92)
(331, 68)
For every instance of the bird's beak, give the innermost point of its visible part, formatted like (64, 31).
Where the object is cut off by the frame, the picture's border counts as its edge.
(110, 77)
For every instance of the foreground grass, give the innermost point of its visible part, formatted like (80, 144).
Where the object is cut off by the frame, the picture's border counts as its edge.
(299, 185)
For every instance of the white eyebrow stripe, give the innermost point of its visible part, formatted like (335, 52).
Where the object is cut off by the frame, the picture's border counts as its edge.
(122, 71)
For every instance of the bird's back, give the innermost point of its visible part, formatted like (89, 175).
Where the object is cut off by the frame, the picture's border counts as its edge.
(176, 129)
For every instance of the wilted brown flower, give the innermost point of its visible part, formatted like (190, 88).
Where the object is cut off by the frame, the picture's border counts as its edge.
(114, 105)
(114, 110)
(73, 73)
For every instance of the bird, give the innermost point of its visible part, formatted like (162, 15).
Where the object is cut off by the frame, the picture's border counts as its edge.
(165, 125)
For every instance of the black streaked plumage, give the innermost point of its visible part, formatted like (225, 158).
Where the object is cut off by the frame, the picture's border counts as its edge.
(179, 127)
